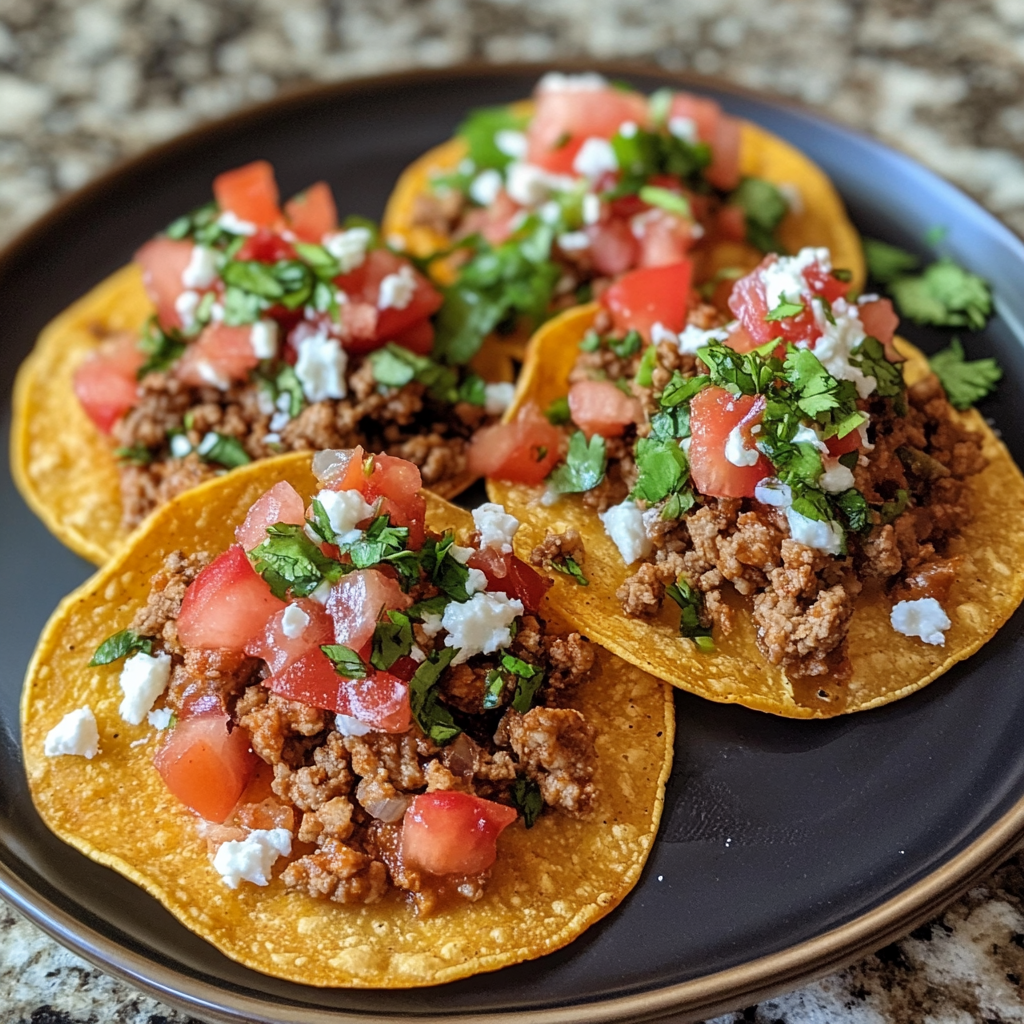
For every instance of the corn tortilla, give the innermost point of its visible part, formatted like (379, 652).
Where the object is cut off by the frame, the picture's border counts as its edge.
(886, 664)
(548, 885)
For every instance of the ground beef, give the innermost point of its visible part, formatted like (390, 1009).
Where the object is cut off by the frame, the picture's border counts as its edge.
(338, 872)
(642, 593)
(313, 785)
(556, 547)
(439, 210)
(555, 746)
(166, 590)
(280, 728)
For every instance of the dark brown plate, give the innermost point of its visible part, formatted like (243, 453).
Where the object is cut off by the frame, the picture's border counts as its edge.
(787, 847)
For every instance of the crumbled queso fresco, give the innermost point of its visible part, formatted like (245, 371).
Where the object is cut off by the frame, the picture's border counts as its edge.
(495, 526)
(924, 618)
(143, 679)
(480, 625)
(624, 524)
(250, 859)
(75, 733)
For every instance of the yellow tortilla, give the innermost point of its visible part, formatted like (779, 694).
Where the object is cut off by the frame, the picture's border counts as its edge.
(886, 665)
(63, 466)
(548, 885)
(820, 220)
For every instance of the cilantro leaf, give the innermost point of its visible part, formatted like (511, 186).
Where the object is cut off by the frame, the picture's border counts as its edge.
(584, 465)
(965, 381)
(892, 510)
(473, 390)
(626, 346)
(288, 559)
(944, 295)
(854, 510)
(664, 469)
(394, 366)
(764, 207)
(785, 309)
(480, 129)
(494, 687)
(223, 450)
(681, 389)
(392, 639)
(136, 455)
(887, 262)
(162, 348)
(346, 662)
(120, 645)
(431, 606)
(558, 412)
(529, 679)
(526, 798)
(443, 569)
(430, 714)
(869, 356)
(666, 199)
(568, 565)
(691, 611)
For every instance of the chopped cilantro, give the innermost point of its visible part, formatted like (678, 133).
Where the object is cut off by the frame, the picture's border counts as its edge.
(382, 542)
(161, 348)
(529, 678)
(431, 606)
(568, 565)
(281, 379)
(643, 154)
(558, 412)
(784, 309)
(223, 449)
(526, 798)
(288, 559)
(677, 505)
(136, 455)
(443, 569)
(430, 714)
(392, 639)
(120, 645)
(664, 469)
(590, 342)
(887, 262)
(892, 510)
(764, 207)
(691, 611)
(854, 510)
(480, 130)
(944, 295)
(645, 371)
(494, 687)
(473, 390)
(627, 346)
(584, 465)
(666, 199)
(869, 356)
(346, 662)
(965, 381)
(394, 366)
(681, 389)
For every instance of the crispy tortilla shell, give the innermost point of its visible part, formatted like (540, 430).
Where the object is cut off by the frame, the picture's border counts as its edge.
(63, 466)
(886, 665)
(548, 884)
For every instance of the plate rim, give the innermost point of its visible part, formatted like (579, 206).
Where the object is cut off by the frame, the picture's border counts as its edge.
(694, 999)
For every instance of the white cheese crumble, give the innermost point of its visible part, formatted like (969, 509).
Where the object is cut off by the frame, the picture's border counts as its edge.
(143, 678)
(808, 435)
(628, 129)
(251, 859)
(624, 524)
(736, 450)
(160, 718)
(344, 509)
(185, 306)
(431, 624)
(322, 593)
(235, 225)
(550, 212)
(555, 81)
(595, 158)
(346, 725)
(461, 554)
(495, 526)
(180, 446)
(476, 582)
(591, 208)
(772, 491)
(294, 622)
(511, 143)
(348, 247)
(922, 618)
(693, 339)
(573, 241)
(684, 128)
(417, 655)
(209, 374)
(821, 534)
(837, 342)
(397, 290)
(793, 196)
(836, 478)
(485, 187)
(321, 367)
(75, 733)
(263, 338)
(201, 271)
(529, 185)
(784, 279)
(480, 625)
(498, 397)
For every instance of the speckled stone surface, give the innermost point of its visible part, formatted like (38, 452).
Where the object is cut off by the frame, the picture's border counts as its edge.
(86, 82)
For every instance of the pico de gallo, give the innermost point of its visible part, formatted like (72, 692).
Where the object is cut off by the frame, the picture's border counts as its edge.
(552, 204)
(347, 692)
(276, 328)
(778, 455)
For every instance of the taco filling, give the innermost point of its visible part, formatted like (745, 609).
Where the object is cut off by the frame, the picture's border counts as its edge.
(350, 699)
(276, 329)
(771, 465)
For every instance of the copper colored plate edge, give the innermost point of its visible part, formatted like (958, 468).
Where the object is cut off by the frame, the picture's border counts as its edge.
(687, 1001)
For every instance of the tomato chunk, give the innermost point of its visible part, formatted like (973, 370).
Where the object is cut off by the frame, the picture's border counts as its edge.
(749, 303)
(226, 605)
(714, 412)
(665, 238)
(250, 193)
(381, 701)
(163, 260)
(642, 298)
(599, 407)
(266, 246)
(281, 504)
(341, 469)
(613, 247)
(356, 602)
(452, 833)
(842, 445)
(220, 355)
(286, 637)
(311, 214)
(105, 382)
(880, 321)
(205, 765)
(507, 574)
(523, 451)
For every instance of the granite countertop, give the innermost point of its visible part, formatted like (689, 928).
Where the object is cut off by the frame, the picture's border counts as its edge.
(86, 82)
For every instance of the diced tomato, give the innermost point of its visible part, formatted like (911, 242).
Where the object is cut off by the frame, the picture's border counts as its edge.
(493, 221)
(250, 193)
(507, 574)
(724, 169)
(397, 483)
(226, 605)
(311, 214)
(381, 701)
(221, 354)
(703, 112)
(266, 246)
(341, 469)
(356, 603)
(739, 339)
(665, 238)
(105, 382)
(749, 303)
(205, 765)
(714, 412)
(278, 649)
(842, 445)
(580, 114)
(523, 451)
(823, 282)
(613, 247)
(642, 298)
(599, 407)
(419, 338)
(561, 157)
(451, 833)
(163, 260)
(281, 504)
(732, 223)
(362, 286)
(880, 321)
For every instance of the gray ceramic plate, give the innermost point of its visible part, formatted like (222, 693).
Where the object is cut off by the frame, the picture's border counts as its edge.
(787, 847)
